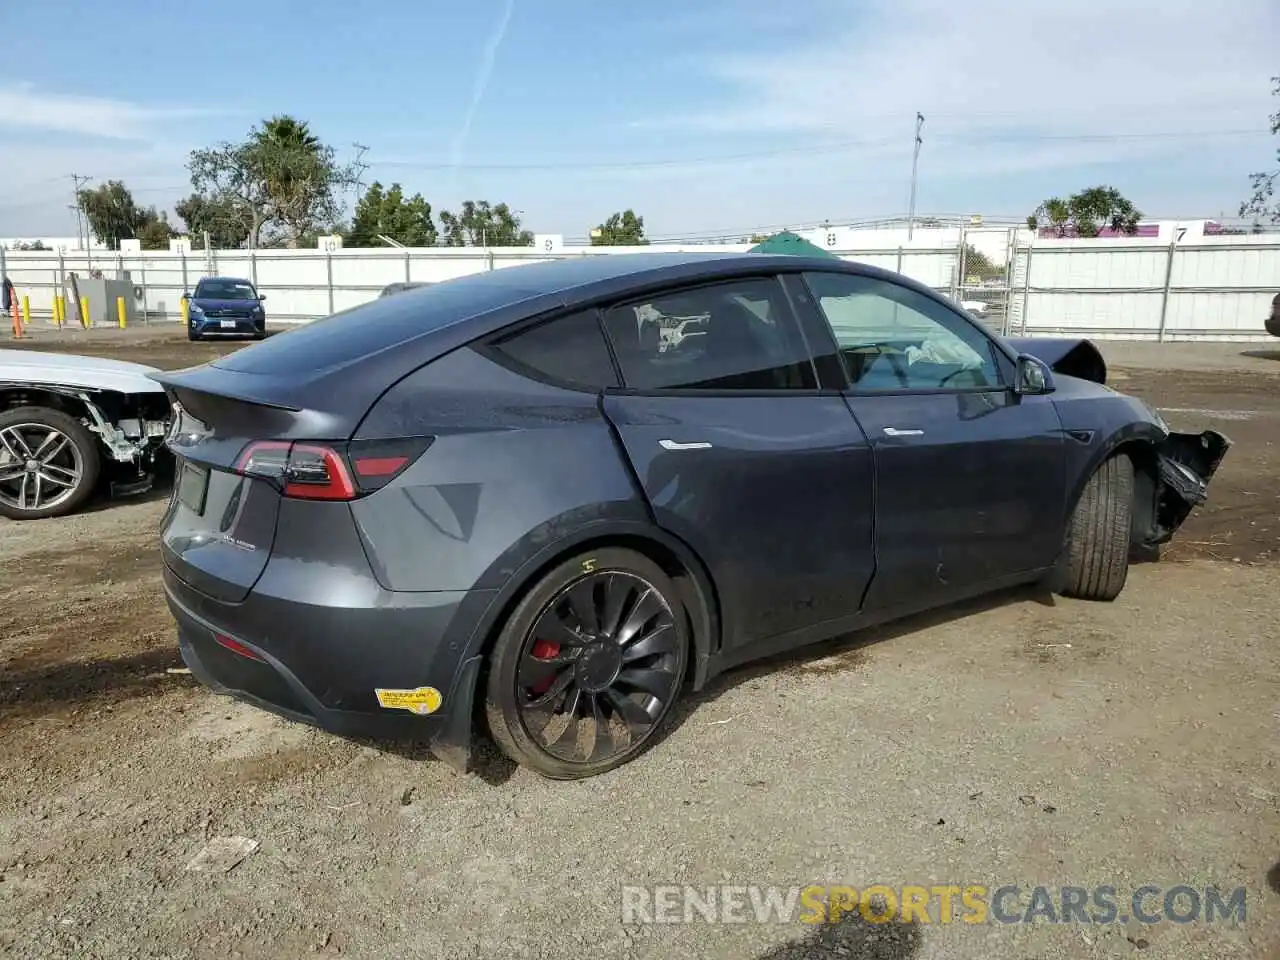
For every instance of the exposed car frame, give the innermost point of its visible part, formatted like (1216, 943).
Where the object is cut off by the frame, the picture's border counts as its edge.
(98, 419)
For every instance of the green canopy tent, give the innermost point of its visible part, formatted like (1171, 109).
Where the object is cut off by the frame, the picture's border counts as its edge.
(788, 242)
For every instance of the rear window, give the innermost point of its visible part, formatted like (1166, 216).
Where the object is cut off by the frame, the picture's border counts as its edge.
(373, 326)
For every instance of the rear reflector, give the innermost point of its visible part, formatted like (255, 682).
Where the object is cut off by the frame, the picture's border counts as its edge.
(317, 471)
(236, 647)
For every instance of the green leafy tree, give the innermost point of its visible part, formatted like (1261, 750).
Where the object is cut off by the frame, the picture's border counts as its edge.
(386, 213)
(111, 212)
(1263, 206)
(30, 245)
(281, 178)
(155, 232)
(978, 264)
(303, 177)
(1087, 213)
(623, 229)
(216, 216)
(477, 224)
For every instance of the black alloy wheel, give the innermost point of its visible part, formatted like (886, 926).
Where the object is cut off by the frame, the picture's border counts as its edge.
(586, 673)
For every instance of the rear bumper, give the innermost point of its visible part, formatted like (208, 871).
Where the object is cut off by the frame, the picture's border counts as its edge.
(321, 664)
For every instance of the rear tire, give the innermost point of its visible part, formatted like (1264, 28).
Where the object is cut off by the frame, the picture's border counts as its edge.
(68, 475)
(1100, 533)
(570, 702)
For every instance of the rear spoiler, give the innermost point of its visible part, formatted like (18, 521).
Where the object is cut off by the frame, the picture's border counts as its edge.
(223, 386)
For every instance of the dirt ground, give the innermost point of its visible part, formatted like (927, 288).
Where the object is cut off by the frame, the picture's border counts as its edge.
(1013, 741)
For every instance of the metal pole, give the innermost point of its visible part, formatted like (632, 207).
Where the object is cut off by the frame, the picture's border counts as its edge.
(253, 268)
(185, 288)
(406, 265)
(1164, 297)
(1026, 293)
(898, 268)
(957, 286)
(915, 166)
(1010, 260)
(62, 275)
(146, 317)
(328, 268)
(210, 263)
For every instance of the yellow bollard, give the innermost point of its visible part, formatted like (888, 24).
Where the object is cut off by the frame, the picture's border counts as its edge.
(186, 316)
(26, 311)
(120, 311)
(84, 313)
(59, 305)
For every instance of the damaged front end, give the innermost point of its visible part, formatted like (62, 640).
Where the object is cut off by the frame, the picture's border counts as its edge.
(132, 428)
(1185, 463)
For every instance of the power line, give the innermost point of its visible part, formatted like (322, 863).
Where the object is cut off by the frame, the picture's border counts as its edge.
(827, 147)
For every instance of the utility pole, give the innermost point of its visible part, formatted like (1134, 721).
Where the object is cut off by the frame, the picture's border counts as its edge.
(360, 166)
(81, 232)
(915, 165)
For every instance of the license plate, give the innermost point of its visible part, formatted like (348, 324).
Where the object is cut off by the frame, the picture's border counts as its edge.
(228, 324)
(193, 487)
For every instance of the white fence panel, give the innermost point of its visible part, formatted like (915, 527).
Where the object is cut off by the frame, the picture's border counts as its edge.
(1212, 288)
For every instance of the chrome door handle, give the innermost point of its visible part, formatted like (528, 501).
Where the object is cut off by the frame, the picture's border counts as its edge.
(677, 445)
(895, 432)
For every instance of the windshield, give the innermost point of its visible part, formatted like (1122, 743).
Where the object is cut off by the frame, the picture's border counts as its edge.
(225, 290)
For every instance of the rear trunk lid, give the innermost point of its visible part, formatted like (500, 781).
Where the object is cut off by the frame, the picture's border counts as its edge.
(221, 525)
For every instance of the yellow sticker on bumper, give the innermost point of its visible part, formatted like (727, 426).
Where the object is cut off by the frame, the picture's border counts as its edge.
(422, 701)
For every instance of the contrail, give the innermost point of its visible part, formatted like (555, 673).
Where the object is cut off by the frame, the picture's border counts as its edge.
(487, 57)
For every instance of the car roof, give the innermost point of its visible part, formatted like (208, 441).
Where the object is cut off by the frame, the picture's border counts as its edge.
(225, 280)
(444, 312)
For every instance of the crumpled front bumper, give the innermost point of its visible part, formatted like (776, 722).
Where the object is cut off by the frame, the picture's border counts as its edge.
(1187, 462)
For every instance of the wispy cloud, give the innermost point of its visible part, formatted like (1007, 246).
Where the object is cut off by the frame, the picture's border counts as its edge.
(485, 69)
(24, 107)
(982, 70)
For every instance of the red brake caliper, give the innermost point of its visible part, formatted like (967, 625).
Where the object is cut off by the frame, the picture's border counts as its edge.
(544, 650)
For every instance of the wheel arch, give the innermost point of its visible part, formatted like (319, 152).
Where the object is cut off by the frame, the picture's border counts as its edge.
(1138, 441)
(13, 395)
(696, 590)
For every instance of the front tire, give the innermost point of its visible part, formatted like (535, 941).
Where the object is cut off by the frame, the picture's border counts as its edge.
(49, 463)
(1100, 533)
(586, 670)
(192, 335)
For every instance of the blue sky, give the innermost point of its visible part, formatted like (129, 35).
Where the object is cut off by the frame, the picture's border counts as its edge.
(705, 117)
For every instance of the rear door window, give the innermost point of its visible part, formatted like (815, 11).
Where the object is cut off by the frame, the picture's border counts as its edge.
(737, 335)
(569, 350)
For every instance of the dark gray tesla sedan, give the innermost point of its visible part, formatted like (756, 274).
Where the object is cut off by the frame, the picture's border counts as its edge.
(510, 496)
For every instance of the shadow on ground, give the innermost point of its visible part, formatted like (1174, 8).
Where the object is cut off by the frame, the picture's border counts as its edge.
(66, 685)
(852, 937)
(1262, 354)
(842, 654)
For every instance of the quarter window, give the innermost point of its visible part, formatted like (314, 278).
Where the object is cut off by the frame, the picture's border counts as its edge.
(894, 338)
(728, 336)
(570, 350)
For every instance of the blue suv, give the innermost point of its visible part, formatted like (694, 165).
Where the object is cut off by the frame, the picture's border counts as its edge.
(225, 306)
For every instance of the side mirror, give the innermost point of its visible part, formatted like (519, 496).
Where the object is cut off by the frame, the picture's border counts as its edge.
(1032, 376)
(262, 296)
(187, 295)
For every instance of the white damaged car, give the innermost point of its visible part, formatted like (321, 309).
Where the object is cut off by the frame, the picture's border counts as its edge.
(68, 422)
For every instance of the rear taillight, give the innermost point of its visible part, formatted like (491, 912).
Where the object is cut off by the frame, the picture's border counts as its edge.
(316, 471)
